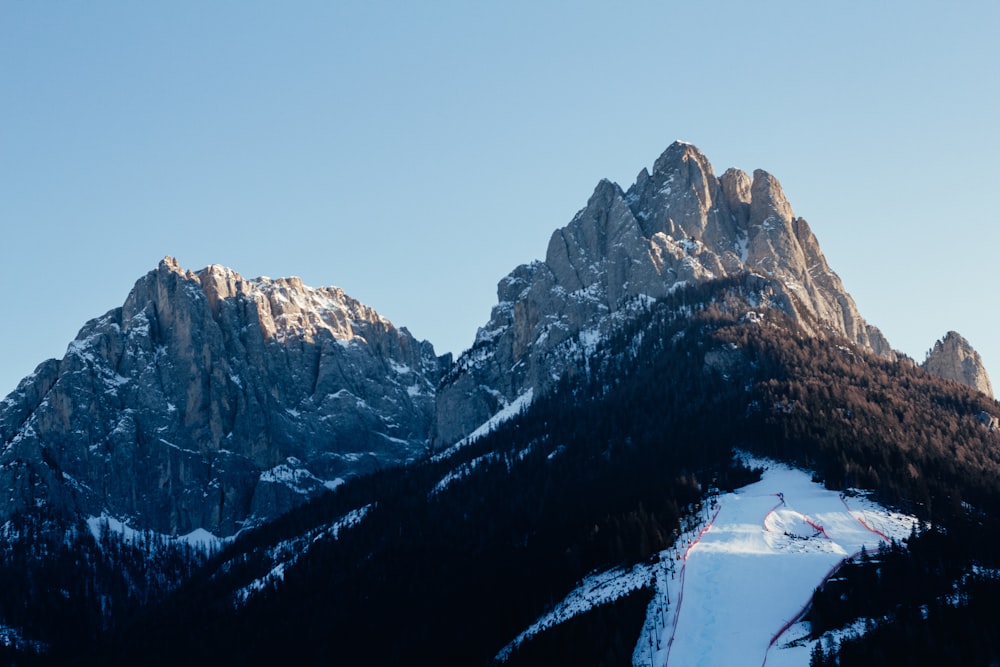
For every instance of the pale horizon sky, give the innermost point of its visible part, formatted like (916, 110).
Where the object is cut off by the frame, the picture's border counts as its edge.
(415, 153)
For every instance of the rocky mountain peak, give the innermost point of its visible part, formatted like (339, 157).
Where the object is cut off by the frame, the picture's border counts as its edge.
(767, 198)
(209, 400)
(677, 224)
(954, 358)
(737, 188)
(677, 154)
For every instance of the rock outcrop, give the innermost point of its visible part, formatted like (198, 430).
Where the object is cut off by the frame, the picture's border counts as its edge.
(209, 400)
(988, 421)
(677, 224)
(953, 358)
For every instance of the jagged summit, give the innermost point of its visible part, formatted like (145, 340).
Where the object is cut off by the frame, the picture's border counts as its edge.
(676, 153)
(286, 308)
(208, 400)
(954, 358)
(677, 224)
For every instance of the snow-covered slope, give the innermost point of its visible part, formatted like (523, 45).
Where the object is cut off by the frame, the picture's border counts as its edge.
(754, 569)
(733, 588)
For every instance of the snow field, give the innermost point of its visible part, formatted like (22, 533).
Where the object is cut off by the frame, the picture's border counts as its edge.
(731, 590)
(752, 573)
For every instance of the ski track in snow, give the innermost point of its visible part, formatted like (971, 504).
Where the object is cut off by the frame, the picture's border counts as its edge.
(750, 576)
(732, 591)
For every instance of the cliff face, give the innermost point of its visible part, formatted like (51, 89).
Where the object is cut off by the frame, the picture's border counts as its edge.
(208, 400)
(677, 224)
(953, 358)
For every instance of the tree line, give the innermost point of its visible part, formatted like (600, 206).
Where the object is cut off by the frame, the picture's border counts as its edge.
(598, 473)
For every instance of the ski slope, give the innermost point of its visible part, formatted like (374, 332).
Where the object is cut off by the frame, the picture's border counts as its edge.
(733, 588)
(735, 593)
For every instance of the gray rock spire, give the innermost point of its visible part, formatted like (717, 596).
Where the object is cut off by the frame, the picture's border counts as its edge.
(677, 224)
(954, 358)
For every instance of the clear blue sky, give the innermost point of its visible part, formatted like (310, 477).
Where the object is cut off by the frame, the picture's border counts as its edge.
(413, 153)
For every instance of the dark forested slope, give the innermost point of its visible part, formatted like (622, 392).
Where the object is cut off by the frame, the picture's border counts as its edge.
(456, 555)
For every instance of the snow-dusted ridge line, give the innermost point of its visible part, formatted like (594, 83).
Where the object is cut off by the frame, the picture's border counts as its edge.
(509, 411)
(296, 478)
(199, 538)
(464, 470)
(594, 591)
(286, 553)
(606, 586)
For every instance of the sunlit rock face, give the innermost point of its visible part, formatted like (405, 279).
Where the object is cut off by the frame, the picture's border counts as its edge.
(954, 358)
(209, 400)
(677, 224)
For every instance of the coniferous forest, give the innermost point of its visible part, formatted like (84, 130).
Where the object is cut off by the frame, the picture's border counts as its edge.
(456, 555)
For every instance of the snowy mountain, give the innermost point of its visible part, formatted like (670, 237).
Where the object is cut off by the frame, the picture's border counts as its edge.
(676, 441)
(582, 528)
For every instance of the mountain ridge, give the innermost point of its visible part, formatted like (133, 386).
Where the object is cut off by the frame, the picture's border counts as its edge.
(595, 474)
(668, 325)
(677, 224)
(225, 400)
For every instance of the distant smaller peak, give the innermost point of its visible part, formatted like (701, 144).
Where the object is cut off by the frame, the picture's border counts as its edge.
(952, 340)
(954, 358)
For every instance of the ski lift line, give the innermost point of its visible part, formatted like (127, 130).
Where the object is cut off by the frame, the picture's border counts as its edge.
(885, 538)
(680, 593)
